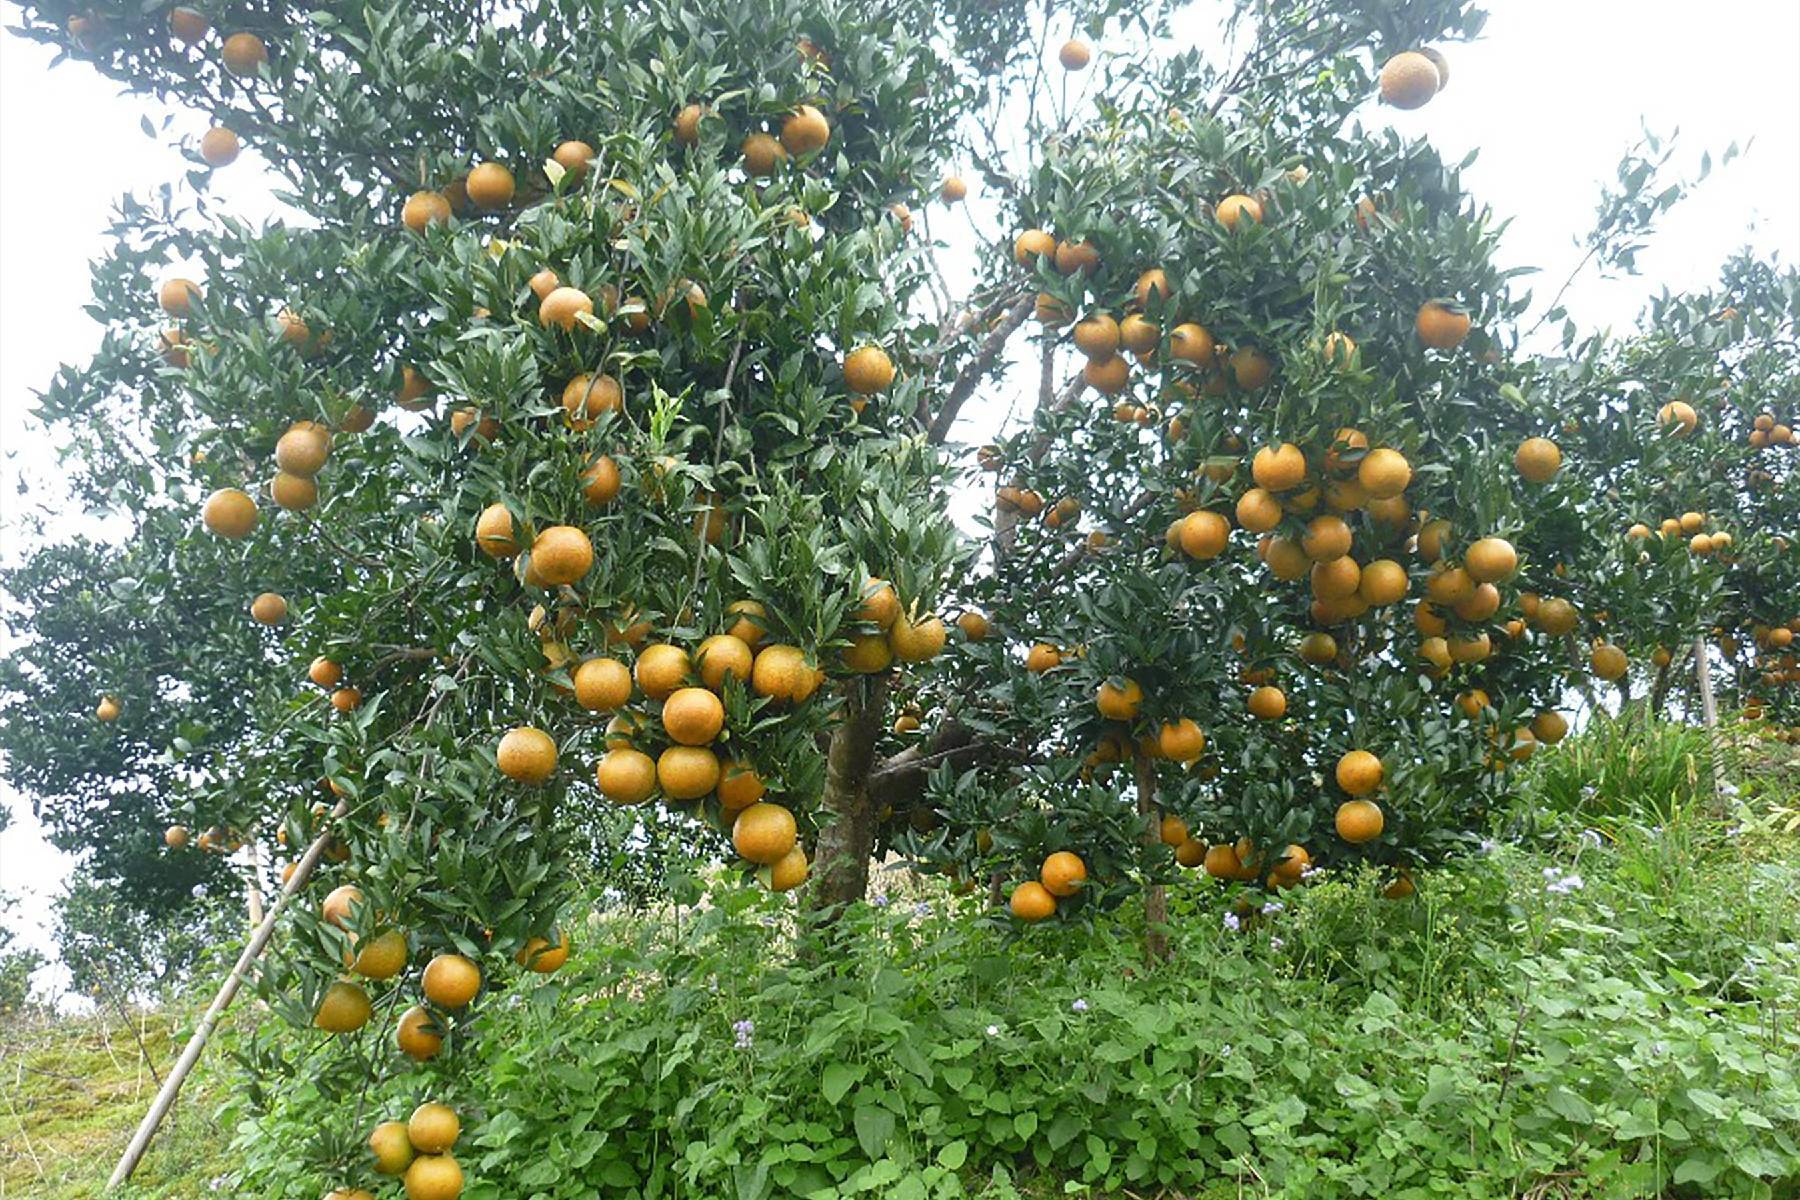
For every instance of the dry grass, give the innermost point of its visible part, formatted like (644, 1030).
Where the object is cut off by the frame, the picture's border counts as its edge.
(72, 1089)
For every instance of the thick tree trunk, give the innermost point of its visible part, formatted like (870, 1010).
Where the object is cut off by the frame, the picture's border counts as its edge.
(1156, 899)
(841, 872)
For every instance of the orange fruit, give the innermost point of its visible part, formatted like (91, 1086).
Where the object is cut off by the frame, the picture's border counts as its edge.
(1074, 55)
(789, 871)
(269, 608)
(868, 653)
(1221, 862)
(573, 157)
(762, 153)
(1384, 473)
(494, 532)
(450, 981)
(1678, 415)
(1549, 727)
(1258, 510)
(693, 716)
(433, 1128)
(1490, 560)
(1409, 80)
(625, 775)
(660, 670)
(434, 1177)
(293, 492)
(1042, 657)
(1327, 537)
(805, 130)
(382, 957)
(1537, 460)
(687, 772)
(1383, 582)
(1063, 873)
(526, 755)
(1278, 468)
(764, 833)
(602, 684)
(880, 605)
(1077, 257)
(1267, 704)
(1359, 772)
(1031, 245)
(243, 53)
(188, 25)
(423, 209)
(974, 625)
(1250, 368)
(917, 642)
(344, 1008)
(1032, 902)
(563, 307)
(1359, 821)
(1441, 326)
(338, 904)
(561, 554)
(1191, 343)
(1236, 208)
(1204, 534)
(867, 370)
(953, 189)
(1609, 662)
(585, 398)
(489, 185)
(722, 655)
(219, 147)
(739, 785)
(229, 512)
(417, 1034)
(1119, 702)
(1181, 741)
(392, 1148)
(600, 481)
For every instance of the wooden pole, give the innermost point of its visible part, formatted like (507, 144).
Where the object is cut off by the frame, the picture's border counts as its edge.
(190, 1054)
(253, 898)
(1156, 898)
(1709, 711)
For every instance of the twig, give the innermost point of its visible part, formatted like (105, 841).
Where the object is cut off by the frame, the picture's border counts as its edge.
(975, 369)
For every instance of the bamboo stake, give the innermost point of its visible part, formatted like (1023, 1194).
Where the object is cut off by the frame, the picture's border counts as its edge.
(253, 898)
(1709, 711)
(190, 1054)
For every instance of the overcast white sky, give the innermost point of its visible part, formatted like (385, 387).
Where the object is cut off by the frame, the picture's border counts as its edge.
(1551, 97)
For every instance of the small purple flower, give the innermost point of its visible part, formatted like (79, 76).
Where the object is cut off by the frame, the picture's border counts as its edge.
(1276, 943)
(1225, 1050)
(1079, 1005)
(879, 900)
(1272, 907)
(1559, 884)
(922, 909)
(1488, 846)
(1232, 924)
(745, 1032)
(1591, 837)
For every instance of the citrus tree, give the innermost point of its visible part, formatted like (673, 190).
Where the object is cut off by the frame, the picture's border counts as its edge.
(584, 440)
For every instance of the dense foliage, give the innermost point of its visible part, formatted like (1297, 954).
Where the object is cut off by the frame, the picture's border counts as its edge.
(587, 438)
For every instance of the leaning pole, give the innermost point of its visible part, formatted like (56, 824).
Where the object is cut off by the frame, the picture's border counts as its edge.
(196, 1045)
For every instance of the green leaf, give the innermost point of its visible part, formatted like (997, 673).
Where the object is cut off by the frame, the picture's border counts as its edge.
(874, 1128)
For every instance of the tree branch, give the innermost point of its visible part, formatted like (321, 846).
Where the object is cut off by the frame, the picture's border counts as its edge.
(976, 368)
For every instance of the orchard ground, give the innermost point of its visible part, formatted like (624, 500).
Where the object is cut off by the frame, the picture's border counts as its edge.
(1614, 992)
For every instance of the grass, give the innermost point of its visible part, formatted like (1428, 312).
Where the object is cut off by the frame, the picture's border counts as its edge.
(72, 1089)
(1492, 1037)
